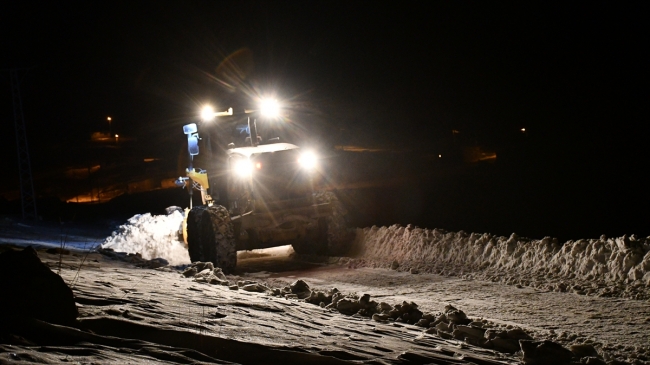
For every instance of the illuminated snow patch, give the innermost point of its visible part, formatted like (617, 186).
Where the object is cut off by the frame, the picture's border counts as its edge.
(151, 236)
(612, 260)
(266, 252)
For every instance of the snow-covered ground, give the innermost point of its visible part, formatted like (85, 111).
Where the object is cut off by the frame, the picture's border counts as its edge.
(618, 267)
(69, 236)
(585, 292)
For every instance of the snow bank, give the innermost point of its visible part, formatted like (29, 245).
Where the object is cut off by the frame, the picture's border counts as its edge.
(609, 261)
(151, 236)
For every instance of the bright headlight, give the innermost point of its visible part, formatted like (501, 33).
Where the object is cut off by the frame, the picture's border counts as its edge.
(270, 108)
(207, 113)
(308, 160)
(243, 168)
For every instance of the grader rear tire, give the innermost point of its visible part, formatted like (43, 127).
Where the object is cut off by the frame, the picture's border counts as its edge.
(210, 237)
(315, 243)
(339, 235)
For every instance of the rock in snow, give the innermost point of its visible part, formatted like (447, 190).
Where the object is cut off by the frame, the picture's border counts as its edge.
(29, 288)
(544, 352)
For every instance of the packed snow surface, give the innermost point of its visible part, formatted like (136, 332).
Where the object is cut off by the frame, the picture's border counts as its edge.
(153, 236)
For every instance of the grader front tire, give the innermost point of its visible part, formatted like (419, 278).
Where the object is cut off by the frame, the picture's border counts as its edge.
(210, 237)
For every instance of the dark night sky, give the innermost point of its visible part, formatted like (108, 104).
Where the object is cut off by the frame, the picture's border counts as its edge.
(488, 67)
(574, 74)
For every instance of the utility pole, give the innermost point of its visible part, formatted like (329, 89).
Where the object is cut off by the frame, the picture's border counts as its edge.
(27, 196)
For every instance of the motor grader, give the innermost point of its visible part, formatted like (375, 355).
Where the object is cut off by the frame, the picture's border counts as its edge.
(267, 195)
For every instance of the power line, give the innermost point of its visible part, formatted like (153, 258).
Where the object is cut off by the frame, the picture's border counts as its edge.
(27, 196)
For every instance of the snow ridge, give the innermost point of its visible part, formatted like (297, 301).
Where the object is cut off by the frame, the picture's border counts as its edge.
(609, 261)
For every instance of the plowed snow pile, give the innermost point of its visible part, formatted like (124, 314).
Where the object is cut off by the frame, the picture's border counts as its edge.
(604, 266)
(151, 236)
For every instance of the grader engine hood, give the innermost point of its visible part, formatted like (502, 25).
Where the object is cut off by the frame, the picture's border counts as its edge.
(273, 172)
(264, 148)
